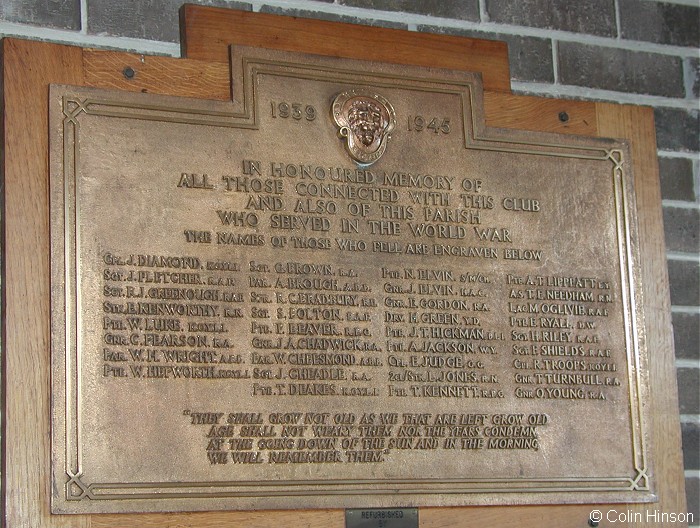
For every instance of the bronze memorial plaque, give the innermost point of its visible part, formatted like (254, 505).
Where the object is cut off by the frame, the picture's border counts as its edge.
(339, 290)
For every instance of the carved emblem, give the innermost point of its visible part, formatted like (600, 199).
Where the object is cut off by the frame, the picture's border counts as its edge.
(365, 119)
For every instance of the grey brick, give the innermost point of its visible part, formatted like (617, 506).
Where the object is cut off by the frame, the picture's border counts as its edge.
(677, 129)
(686, 335)
(530, 58)
(463, 10)
(684, 282)
(660, 22)
(63, 14)
(681, 228)
(146, 19)
(596, 17)
(688, 390)
(620, 70)
(691, 445)
(677, 179)
(692, 494)
(302, 13)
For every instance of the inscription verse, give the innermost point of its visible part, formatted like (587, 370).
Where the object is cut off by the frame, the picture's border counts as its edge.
(295, 437)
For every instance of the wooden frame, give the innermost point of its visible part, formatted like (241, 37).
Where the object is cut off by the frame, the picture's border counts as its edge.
(27, 70)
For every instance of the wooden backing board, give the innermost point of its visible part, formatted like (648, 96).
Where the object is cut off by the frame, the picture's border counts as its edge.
(194, 77)
(27, 70)
(206, 33)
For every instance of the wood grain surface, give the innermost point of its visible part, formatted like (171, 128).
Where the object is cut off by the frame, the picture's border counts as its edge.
(523, 112)
(211, 80)
(206, 33)
(160, 75)
(28, 69)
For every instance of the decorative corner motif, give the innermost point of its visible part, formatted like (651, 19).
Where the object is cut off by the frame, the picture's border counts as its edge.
(641, 481)
(75, 488)
(365, 119)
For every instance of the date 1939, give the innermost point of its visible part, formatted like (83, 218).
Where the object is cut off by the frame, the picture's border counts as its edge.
(296, 111)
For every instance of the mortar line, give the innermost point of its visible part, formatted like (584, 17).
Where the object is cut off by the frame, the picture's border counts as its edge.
(618, 21)
(483, 12)
(688, 363)
(691, 3)
(688, 257)
(598, 94)
(84, 17)
(688, 80)
(689, 310)
(696, 176)
(488, 27)
(676, 154)
(680, 204)
(492, 27)
(368, 14)
(75, 38)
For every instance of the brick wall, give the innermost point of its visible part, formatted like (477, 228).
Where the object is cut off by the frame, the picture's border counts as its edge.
(627, 51)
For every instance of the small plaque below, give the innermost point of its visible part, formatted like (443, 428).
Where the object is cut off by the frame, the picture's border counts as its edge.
(382, 518)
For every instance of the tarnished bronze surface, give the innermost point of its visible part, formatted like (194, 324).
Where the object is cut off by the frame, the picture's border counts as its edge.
(245, 317)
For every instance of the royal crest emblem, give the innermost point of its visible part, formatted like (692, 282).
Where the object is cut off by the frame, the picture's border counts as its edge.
(365, 119)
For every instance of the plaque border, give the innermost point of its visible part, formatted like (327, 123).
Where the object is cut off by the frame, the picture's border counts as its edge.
(66, 310)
